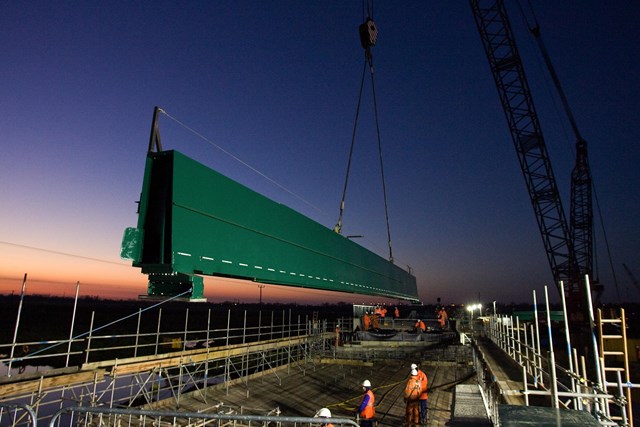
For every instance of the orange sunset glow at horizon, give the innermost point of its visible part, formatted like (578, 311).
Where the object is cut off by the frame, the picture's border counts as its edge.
(56, 274)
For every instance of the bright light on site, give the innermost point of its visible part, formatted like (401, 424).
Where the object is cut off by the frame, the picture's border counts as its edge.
(473, 307)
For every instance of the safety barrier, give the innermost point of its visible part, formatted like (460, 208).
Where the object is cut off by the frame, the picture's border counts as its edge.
(139, 417)
(17, 414)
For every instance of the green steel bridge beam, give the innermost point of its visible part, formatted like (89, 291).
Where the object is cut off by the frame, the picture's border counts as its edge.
(195, 222)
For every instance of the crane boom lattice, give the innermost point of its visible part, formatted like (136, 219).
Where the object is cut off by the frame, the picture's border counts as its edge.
(517, 103)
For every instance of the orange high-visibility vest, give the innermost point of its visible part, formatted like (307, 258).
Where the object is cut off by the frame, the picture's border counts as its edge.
(366, 320)
(423, 382)
(369, 411)
(413, 389)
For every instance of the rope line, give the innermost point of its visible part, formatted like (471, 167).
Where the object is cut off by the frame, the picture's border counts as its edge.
(104, 326)
(338, 227)
(64, 253)
(236, 158)
(384, 186)
(368, 37)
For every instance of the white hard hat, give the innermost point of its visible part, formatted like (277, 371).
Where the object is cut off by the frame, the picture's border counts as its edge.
(324, 412)
(414, 372)
(414, 366)
(366, 383)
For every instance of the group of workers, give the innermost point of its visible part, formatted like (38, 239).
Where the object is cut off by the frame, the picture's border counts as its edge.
(415, 397)
(441, 315)
(372, 319)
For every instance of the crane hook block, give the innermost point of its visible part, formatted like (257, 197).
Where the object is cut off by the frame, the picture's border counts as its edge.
(368, 34)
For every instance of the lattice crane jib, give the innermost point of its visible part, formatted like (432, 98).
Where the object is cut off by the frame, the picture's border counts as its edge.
(517, 102)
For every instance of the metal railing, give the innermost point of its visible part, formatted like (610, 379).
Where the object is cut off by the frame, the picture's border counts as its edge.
(116, 416)
(192, 359)
(569, 388)
(17, 414)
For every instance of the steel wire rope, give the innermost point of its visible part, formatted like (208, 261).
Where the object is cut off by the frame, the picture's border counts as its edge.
(369, 12)
(368, 61)
(384, 186)
(51, 251)
(545, 79)
(338, 227)
(91, 331)
(242, 162)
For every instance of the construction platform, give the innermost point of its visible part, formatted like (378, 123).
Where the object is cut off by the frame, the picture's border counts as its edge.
(301, 390)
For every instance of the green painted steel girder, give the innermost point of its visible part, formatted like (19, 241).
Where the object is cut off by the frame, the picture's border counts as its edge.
(194, 221)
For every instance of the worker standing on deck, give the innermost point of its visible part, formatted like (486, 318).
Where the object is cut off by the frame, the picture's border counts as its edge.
(375, 321)
(367, 410)
(396, 313)
(412, 392)
(324, 413)
(443, 317)
(366, 321)
(420, 326)
(424, 396)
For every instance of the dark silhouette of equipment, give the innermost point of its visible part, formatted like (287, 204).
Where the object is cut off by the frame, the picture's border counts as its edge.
(569, 247)
(632, 277)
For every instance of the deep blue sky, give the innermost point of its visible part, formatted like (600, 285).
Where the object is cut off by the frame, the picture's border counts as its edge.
(275, 84)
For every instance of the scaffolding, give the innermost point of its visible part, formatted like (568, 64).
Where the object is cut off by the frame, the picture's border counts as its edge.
(606, 395)
(154, 371)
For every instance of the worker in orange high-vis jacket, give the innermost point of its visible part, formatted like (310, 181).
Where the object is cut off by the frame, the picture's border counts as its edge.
(424, 396)
(412, 391)
(443, 318)
(367, 409)
(366, 321)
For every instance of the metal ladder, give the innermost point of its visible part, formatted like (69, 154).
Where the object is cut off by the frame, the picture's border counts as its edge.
(613, 346)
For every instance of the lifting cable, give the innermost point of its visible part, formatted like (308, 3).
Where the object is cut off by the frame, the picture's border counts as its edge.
(155, 142)
(368, 37)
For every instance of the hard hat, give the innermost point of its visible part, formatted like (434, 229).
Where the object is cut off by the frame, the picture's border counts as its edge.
(414, 366)
(366, 383)
(414, 372)
(324, 412)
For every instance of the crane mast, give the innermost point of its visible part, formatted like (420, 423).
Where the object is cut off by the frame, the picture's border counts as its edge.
(517, 103)
(581, 217)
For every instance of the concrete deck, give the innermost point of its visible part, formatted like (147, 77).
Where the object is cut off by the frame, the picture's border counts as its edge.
(301, 390)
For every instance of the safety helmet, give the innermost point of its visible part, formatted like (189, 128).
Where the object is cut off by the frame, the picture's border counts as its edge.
(414, 366)
(324, 412)
(414, 372)
(366, 383)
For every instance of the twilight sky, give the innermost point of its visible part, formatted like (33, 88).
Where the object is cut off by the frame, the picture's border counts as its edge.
(275, 84)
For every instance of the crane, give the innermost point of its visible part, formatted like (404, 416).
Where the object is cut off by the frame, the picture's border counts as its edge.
(568, 246)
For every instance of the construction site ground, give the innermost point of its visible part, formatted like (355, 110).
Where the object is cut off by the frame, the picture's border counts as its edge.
(302, 389)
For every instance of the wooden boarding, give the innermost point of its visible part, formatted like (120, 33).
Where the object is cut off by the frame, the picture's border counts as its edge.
(149, 363)
(48, 383)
